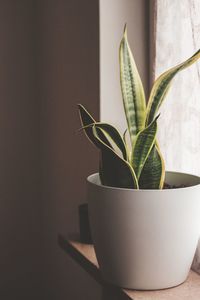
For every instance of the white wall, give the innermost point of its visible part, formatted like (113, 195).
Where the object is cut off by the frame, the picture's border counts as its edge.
(113, 16)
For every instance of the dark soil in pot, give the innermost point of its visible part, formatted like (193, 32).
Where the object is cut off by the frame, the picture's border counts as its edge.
(170, 186)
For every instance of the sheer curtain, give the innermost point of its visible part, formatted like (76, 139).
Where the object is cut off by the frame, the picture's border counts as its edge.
(176, 36)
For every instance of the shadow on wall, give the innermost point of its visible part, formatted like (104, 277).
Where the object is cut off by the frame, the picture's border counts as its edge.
(48, 63)
(20, 205)
(68, 64)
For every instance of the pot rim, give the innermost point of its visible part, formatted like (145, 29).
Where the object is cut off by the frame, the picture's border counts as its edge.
(99, 185)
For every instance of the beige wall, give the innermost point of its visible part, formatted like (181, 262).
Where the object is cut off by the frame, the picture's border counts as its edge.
(49, 62)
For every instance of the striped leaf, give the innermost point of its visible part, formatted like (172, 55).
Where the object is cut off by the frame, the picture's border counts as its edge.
(115, 171)
(114, 135)
(153, 172)
(86, 121)
(124, 137)
(144, 142)
(162, 84)
(132, 89)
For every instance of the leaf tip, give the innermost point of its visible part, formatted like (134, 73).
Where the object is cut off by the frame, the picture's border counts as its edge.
(79, 105)
(125, 30)
(156, 118)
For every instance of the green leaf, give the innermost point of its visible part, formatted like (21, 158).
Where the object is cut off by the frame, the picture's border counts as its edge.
(153, 172)
(144, 142)
(115, 171)
(162, 84)
(114, 135)
(124, 137)
(86, 121)
(132, 89)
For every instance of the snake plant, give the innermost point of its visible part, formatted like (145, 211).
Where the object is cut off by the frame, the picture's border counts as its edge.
(139, 166)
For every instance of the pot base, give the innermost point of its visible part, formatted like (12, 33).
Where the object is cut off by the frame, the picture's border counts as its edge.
(145, 286)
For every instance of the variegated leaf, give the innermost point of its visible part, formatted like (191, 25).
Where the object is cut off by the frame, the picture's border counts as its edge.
(86, 121)
(115, 171)
(153, 172)
(114, 135)
(144, 142)
(162, 84)
(132, 89)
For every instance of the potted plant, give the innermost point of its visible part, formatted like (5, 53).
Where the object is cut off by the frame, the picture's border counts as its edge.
(145, 222)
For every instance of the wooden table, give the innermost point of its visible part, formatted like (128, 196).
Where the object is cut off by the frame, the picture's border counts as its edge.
(85, 256)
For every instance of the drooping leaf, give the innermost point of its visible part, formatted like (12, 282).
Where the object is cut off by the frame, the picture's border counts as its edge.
(132, 89)
(114, 135)
(115, 171)
(162, 84)
(86, 120)
(153, 172)
(145, 140)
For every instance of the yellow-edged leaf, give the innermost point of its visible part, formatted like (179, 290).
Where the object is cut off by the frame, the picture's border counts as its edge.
(114, 135)
(153, 172)
(115, 171)
(162, 84)
(132, 89)
(87, 120)
(144, 142)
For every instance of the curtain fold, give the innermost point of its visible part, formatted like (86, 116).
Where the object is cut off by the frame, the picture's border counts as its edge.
(176, 37)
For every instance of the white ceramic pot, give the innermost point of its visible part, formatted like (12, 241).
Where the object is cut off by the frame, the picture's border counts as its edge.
(145, 239)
